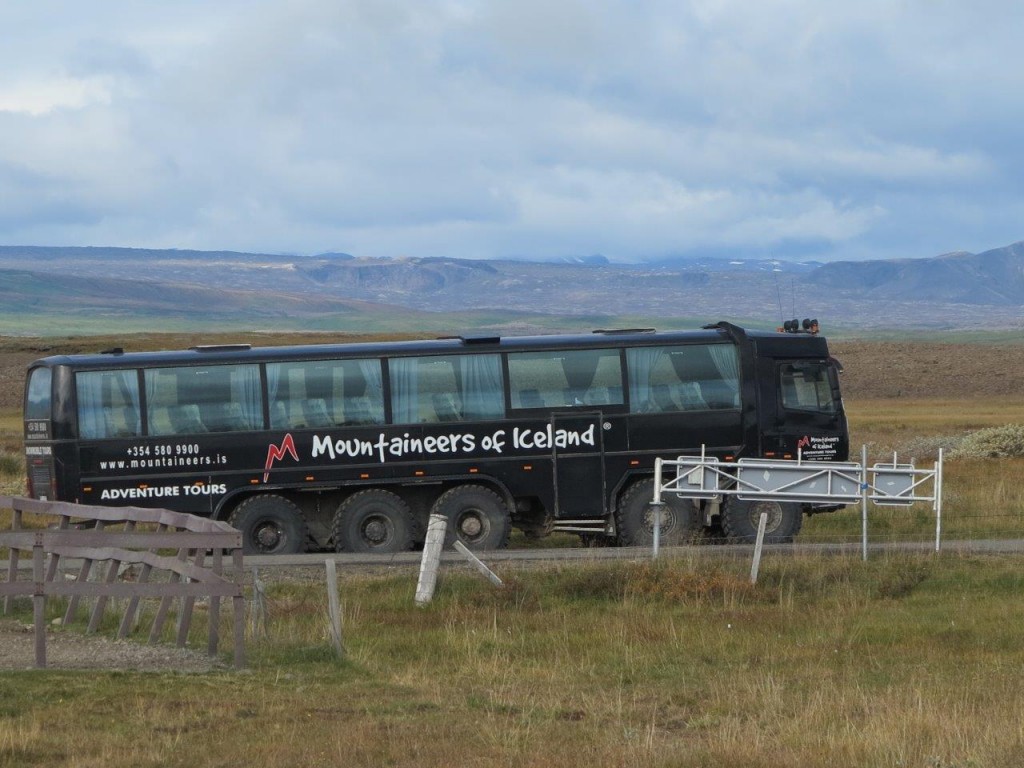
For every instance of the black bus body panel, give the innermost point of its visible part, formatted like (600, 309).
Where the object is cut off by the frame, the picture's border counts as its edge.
(573, 463)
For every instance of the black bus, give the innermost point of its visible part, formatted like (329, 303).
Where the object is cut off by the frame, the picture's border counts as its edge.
(352, 446)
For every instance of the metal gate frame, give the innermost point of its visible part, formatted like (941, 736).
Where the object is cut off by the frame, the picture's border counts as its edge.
(810, 482)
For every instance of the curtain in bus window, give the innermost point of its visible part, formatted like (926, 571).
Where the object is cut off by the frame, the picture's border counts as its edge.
(728, 364)
(273, 384)
(405, 403)
(128, 419)
(641, 362)
(108, 404)
(91, 424)
(244, 410)
(483, 395)
(157, 425)
(372, 402)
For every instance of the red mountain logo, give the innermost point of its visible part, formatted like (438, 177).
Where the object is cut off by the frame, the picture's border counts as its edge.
(277, 452)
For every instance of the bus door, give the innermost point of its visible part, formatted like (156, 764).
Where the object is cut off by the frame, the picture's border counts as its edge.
(578, 453)
(801, 411)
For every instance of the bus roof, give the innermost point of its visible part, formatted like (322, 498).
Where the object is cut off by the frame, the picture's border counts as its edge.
(242, 353)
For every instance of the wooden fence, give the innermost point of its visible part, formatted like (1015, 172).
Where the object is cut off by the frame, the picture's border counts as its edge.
(124, 538)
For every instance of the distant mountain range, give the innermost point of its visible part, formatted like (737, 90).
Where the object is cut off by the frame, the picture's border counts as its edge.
(92, 288)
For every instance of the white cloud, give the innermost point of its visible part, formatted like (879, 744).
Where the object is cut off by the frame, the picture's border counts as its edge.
(473, 128)
(42, 96)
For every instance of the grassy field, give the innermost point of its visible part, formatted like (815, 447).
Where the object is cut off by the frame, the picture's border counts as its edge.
(905, 660)
(901, 661)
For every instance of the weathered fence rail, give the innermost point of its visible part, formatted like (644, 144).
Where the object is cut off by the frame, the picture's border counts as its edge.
(124, 538)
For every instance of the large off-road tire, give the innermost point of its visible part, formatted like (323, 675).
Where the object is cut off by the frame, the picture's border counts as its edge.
(270, 525)
(634, 518)
(741, 517)
(477, 516)
(374, 520)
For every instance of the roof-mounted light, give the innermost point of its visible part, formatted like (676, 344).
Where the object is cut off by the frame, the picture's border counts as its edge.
(795, 326)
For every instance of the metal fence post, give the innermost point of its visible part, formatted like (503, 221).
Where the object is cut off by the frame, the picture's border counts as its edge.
(864, 501)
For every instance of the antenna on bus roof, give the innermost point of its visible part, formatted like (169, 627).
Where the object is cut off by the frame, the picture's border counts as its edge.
(778, 293)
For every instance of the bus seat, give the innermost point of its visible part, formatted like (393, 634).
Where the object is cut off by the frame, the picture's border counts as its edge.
(689, 393)
(185, 419)
(530, 398)
(662, 398)
(359, 411)
(316, 413)
(227, 417)
(121, 422)
(718, 394)
(160, 422)
(573, 396)
(444, 407)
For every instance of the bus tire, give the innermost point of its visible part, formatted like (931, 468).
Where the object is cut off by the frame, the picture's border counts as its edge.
(477, 516)
(270, 525)
(634, 518)
(374, 520)
(741, 518)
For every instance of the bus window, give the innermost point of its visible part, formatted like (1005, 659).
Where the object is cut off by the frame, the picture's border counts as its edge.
(218, 398)
(108, 404)
(565, 378)
(806, 387)
(694, 377)
(323, 393)
(37, 398)
(446, 388)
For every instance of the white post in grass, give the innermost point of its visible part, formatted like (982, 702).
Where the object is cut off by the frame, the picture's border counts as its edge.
(477, 563)
(938, 501)
(656, 503)
(864, 502)
(761, 525)
(334, 604)
(657, 529)
(436, 529)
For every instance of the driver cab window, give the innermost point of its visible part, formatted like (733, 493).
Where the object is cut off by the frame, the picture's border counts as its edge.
(806, 387)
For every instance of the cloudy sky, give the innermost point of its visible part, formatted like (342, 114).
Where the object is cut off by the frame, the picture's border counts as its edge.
(474, 128)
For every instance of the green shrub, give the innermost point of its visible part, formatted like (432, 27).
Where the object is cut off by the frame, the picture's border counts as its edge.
(11, 463)
(926, 447)
(991, 443)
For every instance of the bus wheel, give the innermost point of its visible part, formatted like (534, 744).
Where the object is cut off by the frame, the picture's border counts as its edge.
(477, 517)
(634, 519)
(373, 521)
(741, 518)
(270, 525)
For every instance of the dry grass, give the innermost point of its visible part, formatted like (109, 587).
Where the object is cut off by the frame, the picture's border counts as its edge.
(911, 661)
(904, 660)
(885, 425)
